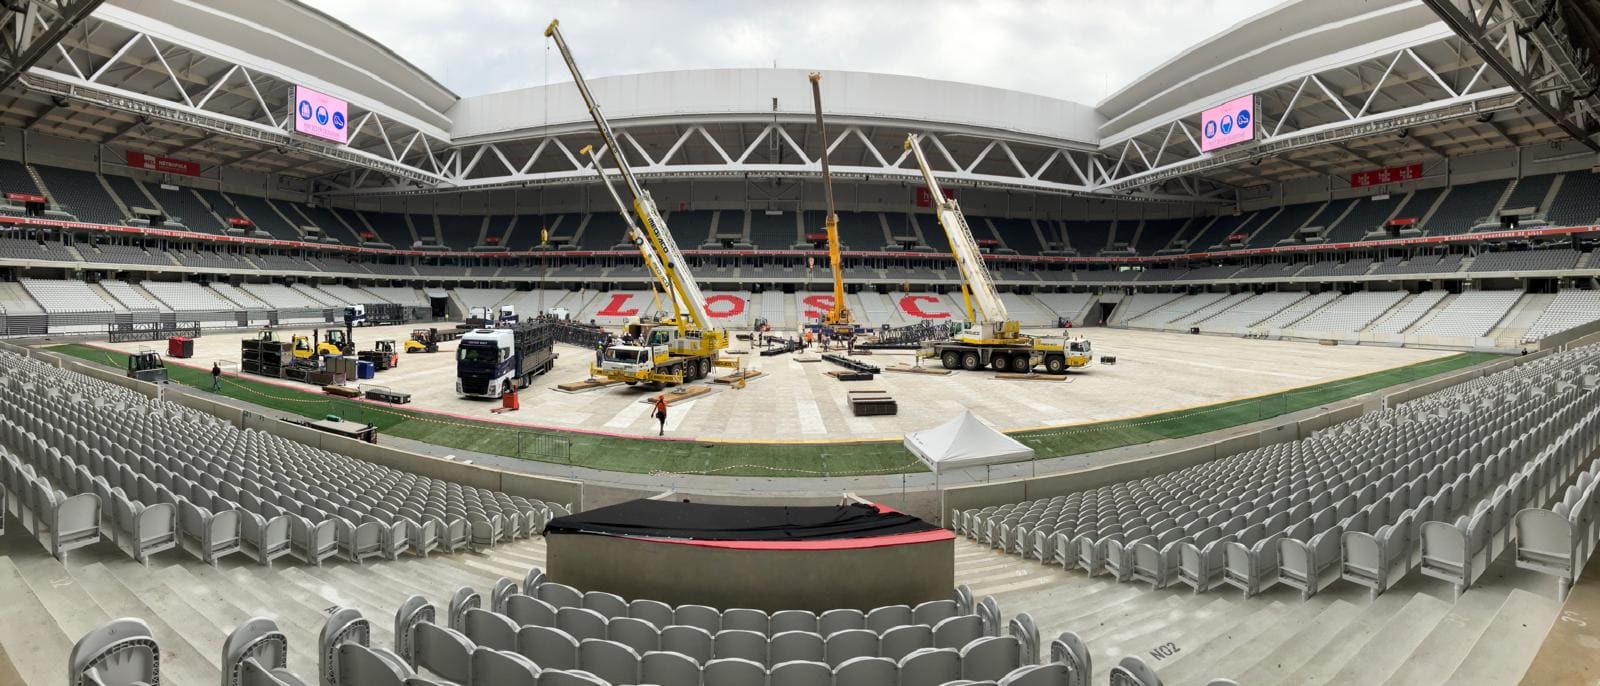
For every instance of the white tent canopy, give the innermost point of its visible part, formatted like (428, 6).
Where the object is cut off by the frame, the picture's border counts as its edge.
(965, 442)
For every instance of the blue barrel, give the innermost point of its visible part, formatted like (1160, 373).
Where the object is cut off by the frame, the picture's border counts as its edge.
(364, 370)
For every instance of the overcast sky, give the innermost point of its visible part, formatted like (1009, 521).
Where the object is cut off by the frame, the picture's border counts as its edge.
(1080, 50)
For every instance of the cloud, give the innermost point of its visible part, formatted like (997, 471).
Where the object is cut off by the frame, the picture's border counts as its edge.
(1080, 50)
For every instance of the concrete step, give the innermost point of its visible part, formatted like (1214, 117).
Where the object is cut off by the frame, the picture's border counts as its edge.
(1438, 653)
(1390, 647)
(1502, 653)
(1200, 647)
(1187, 637)
(1332, 655)
(1302, 646)
(28, 634)
(1267, 641)
(72, 610)
(181, 662)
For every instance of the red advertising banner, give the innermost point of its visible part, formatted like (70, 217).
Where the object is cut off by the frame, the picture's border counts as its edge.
(239, 221)
(925, 199)
(164, 165)
(1380, 177)
(26, 197)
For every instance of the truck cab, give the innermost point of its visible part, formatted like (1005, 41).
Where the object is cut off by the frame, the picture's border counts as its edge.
(507, 315)
(484, 363)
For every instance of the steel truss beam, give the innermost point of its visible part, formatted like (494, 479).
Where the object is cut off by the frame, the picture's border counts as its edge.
(1541, 69)
(193, 104)
(26, 34)
(1342, 118)
(560, 167)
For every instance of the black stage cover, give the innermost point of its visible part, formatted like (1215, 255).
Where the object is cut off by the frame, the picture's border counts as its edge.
(694, 521)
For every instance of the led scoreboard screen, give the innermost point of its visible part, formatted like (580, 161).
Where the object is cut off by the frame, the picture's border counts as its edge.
(1229, 123)
(320, 115)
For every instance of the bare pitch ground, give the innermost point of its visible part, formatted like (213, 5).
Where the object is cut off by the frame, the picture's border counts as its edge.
(1155, 372)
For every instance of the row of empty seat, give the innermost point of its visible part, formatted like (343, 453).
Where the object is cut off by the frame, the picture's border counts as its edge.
(1351, 503)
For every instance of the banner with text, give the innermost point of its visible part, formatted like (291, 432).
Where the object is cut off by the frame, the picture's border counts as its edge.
(1380, 177)
(925, 197)
(164, 165)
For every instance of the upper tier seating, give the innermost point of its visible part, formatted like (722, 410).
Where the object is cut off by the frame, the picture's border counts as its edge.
(1367, 215)
(14, 178)
(1577, 203)
(80, 193)
(1421, 264)
(460, 232)
(1465, 206)
(183, 207)
(391, 228)
(266, 217)
(1283, 224)
(767, 231)
(112, 253)
(1552, 259)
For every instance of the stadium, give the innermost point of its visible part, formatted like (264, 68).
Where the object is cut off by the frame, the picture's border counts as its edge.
(1278, 365)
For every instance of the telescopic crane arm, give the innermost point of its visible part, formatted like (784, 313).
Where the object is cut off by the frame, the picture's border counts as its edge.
(655, 242)
(983, 301)
(652, 261)
(839, 314)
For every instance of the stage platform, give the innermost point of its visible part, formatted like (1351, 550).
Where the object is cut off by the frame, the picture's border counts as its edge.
(857, 555)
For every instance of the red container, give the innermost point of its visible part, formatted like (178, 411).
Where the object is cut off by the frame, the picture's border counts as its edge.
(180, 347)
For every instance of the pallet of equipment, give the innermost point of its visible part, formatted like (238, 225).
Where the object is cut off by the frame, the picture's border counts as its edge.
(342, 391)
(586, 385)
(847, 375)
(911, 369)
(736, 377)
(1009, 376)
(388, 395)
(872, 403)
(853, 365)
(678, 394)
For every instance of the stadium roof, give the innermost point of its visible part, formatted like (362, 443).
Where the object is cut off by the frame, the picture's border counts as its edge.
(1341, 87)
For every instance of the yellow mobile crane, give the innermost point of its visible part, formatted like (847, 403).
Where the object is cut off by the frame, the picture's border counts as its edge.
(837, 319)
(670, 350)
(993, 339)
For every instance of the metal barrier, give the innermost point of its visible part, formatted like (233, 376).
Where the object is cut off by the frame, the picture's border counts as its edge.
(130, 332)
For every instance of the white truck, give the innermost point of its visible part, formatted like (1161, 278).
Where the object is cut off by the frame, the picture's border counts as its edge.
(492, 362)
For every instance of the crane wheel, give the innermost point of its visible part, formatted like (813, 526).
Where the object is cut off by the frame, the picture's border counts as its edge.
(1021, 365)
(1056, 364)
(951, 359)
(971, 362)
(999, 363)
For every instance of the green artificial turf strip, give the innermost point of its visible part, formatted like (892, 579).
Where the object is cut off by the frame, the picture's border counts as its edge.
(773, 459)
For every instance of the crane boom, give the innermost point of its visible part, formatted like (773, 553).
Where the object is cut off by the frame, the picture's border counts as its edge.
(652, 261)
(983, 300)
(656, 242)
(839, 314)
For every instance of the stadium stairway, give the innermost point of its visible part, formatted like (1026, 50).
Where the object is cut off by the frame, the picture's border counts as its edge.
(1415, 634)
(46, 605)
(1509, 331)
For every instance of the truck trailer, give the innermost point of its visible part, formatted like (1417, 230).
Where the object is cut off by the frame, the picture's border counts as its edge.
(493, 362)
